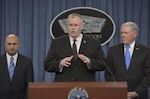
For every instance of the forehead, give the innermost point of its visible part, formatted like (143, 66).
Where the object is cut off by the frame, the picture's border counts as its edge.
(74, 19)
(10, 39)
(126, 28)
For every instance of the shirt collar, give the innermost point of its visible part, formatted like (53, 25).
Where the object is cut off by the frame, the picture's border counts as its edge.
(15, 58)
(78, 38)
(131, 45)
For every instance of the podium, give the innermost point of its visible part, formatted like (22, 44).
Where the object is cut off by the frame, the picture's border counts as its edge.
(60, 90)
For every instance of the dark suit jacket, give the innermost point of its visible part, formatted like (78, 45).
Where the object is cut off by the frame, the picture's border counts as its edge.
(138, 74)
(17, 88)
(78, 71)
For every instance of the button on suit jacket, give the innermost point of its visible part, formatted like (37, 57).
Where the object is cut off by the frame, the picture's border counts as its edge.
(17, 88)
(78, 71)
(138, 73)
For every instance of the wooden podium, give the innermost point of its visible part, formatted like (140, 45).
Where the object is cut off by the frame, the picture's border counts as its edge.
(60, 90)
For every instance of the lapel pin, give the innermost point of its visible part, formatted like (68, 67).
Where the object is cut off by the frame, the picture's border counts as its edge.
(137, 48)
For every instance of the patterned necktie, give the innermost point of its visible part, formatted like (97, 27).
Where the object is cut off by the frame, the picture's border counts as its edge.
(74, 50)
(11, 68)
(127, 56)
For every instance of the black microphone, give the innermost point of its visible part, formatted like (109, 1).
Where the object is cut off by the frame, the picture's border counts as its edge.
(114, 79)
(48, 69)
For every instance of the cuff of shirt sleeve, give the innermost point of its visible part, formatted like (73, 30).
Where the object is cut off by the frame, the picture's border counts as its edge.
(136, 94)
(60, 68)
(88, 66)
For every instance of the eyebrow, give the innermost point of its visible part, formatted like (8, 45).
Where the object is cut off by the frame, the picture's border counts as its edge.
(11, 43)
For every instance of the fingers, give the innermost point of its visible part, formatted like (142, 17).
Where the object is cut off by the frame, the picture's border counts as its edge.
(131, 95)
(84, 58)
(66, 61)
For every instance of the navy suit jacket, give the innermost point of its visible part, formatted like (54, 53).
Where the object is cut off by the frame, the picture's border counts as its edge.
(17, 88)
(138, 73)
(78, 71)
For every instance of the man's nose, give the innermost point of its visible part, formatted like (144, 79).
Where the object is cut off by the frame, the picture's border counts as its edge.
(73, 26)
(12, 45)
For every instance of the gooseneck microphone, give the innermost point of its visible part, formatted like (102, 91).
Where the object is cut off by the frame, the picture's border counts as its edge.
(114, 79)
(48, 68)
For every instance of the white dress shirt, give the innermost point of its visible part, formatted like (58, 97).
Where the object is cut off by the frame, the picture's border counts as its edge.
(78, 41)
(8, 59)
(131, 49)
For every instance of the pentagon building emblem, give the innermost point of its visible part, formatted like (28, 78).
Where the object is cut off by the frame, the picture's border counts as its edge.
(97, 24)
(91, 24)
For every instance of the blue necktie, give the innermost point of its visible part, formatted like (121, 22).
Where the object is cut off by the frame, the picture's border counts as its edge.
(127, 56)
(11, 68)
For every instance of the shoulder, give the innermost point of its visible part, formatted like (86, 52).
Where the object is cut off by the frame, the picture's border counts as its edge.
(118, 46)
(91, 40)
(2, 57)
(61, 38)
(142, 47)
(24, 58)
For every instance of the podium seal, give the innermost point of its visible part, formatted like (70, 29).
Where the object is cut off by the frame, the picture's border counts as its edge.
(78, 93)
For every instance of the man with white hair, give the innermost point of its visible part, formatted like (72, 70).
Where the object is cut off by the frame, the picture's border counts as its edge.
(130, 62)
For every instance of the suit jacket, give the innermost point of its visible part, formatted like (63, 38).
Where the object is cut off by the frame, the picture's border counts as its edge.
(78, 71)
(138, 73)
(17, 88)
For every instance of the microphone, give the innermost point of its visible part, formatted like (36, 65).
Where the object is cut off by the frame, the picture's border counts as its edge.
(114, 79)
(48, 68)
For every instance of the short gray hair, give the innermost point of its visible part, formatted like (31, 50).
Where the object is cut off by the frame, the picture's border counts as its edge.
(72, 15)
(133, 26)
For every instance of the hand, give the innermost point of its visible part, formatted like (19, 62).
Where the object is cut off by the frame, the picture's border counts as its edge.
(131, 95)
(66, 61)
(84, 58)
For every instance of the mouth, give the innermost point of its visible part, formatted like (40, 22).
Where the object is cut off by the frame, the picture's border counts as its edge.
(12, 51)
(72, 31)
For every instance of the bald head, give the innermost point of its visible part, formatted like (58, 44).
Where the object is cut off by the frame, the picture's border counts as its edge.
(11, 44)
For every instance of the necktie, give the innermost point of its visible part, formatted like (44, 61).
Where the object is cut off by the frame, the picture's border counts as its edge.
(127, 56)
(11, 68)
(74, 50)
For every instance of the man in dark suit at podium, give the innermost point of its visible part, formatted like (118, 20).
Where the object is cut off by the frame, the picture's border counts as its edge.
(16, 71)
(130, 61)
(74, 57)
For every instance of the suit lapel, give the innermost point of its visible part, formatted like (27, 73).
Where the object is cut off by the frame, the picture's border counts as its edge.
(5, 67)
(121, 53)
(18, 66)
(83, 45)
(134, 55)
(67, 45)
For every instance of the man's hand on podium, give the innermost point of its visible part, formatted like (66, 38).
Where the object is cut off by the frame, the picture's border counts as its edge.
(132, 95)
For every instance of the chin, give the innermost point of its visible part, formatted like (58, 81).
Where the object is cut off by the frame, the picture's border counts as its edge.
(11, 54)
(74, 36)
(124, 42)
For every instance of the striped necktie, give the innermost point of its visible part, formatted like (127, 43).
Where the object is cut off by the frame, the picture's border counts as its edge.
(11, 68)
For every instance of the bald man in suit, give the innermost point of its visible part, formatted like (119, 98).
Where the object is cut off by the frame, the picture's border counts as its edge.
(14, 87)
(137, 72)
(70, 67)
